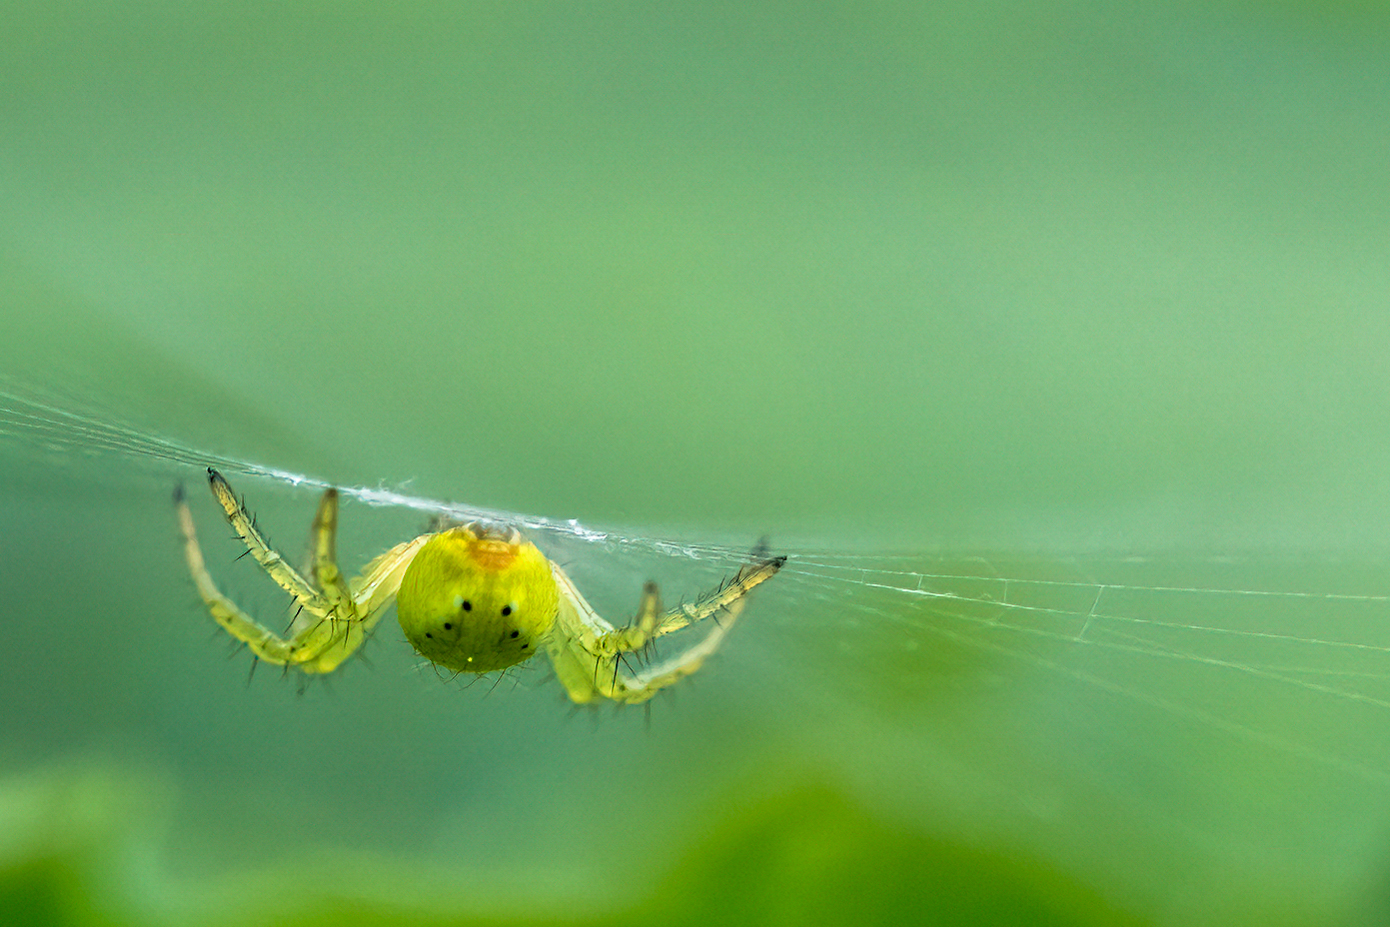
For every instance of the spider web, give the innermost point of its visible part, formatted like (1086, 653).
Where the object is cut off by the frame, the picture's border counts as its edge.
(1197, 651)
(1286, 656)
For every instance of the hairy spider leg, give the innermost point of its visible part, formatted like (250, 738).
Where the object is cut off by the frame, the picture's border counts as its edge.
(304, 593)
(589, 653)
(332, 619)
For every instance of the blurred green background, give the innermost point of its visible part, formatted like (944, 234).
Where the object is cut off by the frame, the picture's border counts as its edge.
(1081, 293)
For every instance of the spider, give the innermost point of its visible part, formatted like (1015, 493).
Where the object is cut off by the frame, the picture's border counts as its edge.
(471, 598)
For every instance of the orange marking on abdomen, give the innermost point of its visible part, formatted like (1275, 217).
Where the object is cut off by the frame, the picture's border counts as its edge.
(492, 554)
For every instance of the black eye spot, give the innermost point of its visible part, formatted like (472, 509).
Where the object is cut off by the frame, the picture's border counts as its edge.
(524, 646)
(515, 633)
(448, 626)
(506, 610)
(467, 605)
(429, 635)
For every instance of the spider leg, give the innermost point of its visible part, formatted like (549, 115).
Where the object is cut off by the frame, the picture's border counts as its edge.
(327, 628)
(652, 623)
(264, 643)
(642, 685)
(268, 557)
(648, 611)
(588, 652)
(338, 603)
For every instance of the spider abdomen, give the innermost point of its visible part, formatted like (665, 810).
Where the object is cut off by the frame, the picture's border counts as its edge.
(477, 599)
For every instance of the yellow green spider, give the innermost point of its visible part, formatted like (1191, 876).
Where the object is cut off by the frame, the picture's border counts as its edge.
(472, 599)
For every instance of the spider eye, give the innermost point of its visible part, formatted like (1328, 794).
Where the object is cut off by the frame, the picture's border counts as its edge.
(467, 605)
(506, 610)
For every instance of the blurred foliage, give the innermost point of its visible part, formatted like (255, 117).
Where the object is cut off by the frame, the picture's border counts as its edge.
(81, 847)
